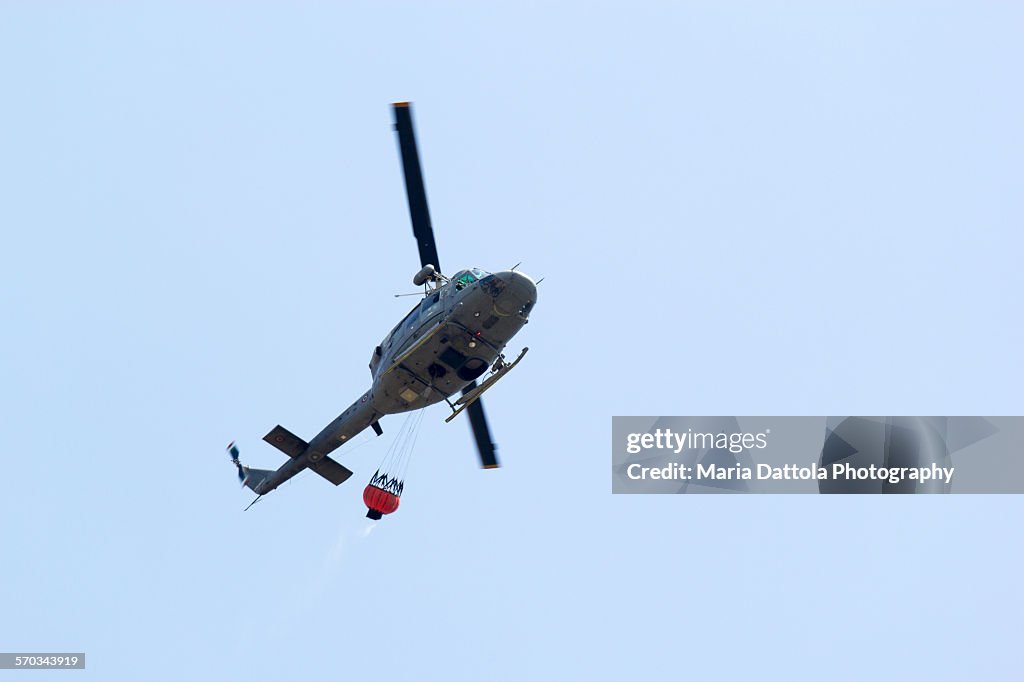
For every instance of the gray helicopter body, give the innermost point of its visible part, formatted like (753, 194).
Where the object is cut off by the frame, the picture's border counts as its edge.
(442, 346)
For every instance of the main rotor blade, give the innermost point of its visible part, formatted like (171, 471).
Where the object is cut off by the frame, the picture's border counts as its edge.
(482, 433)
(414, 188)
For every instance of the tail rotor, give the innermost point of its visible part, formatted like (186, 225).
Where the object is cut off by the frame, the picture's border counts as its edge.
(233, 451)
(249, 478)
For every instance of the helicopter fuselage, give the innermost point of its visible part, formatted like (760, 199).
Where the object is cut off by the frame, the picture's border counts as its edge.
(452, 336)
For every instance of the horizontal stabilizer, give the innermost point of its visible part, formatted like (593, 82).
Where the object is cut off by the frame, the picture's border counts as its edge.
(286, 441)
(331, 470)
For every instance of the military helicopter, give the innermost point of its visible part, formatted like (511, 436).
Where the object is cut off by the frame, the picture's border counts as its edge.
(441, 347)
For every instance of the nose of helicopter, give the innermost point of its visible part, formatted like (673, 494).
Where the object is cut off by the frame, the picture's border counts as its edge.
(518, 295)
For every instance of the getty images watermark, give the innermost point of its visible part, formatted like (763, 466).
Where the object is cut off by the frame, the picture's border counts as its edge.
(818, 454)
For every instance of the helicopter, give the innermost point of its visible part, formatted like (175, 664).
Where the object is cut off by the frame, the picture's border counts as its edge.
(442, 347)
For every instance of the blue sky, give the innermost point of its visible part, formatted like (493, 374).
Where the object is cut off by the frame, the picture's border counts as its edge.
(770, 208)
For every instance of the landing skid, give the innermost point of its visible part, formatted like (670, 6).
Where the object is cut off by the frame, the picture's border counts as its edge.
(500, 369)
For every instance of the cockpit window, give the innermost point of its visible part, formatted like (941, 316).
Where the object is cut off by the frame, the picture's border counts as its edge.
(467, 277)
(464, 279)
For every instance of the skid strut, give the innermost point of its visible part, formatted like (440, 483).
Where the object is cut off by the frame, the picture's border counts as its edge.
(500, 369)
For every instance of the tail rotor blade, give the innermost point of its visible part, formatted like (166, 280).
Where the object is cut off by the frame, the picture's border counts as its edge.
(414, 187)
(233, 451)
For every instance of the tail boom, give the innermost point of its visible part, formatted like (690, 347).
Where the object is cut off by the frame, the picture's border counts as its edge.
(313, 455)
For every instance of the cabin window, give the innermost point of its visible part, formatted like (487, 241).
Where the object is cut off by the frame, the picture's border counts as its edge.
(429, 301)
(407, 320)
(429, 306)
(411, 318)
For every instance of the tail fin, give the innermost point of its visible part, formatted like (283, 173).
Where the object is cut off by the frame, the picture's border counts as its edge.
(253, 477)
(248, 476)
